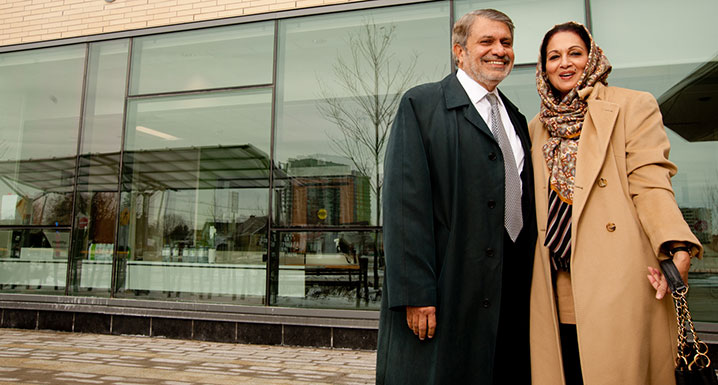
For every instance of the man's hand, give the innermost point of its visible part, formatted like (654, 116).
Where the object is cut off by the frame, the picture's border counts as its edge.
(421, 320)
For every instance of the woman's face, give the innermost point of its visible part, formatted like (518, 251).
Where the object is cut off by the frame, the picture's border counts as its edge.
(566, 57)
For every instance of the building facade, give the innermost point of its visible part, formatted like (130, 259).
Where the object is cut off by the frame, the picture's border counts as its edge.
(212, 169)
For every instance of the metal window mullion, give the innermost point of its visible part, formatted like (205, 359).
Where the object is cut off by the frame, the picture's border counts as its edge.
(326, 229)
(200, 91)
(83, 94)
(128, 72)
(270, 194)
(32, 227)
(452, 10)
(588, 16)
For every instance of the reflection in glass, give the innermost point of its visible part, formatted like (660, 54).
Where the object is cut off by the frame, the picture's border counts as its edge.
(210, 119)
(532, 19)
(325, 269)
(96, 197)
(40, 107)
(631, 41)
(194, 244)
(194, 203)
(688, 107)
(322, 193)
(232, 56)
(340, 78)
(520, 88)
(33, 261)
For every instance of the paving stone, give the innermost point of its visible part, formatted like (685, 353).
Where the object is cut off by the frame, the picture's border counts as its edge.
(80, 380)
(56, 358)
(80, 375)
(125, 364)
(265, 368)
(169, 361)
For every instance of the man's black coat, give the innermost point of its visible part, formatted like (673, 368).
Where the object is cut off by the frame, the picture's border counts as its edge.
(444, 239)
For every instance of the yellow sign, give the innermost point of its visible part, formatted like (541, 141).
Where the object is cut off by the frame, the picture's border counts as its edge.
(322, 214)
(124, 217)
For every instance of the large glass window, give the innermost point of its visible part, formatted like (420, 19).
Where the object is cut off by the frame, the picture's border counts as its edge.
(339, 81)
(40, 94)
(40, 107)
(684, 81)
(211, 58)
(531, 18)
(96, 197)
(194, 206)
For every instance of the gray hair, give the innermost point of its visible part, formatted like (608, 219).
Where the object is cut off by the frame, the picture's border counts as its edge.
(462, 27)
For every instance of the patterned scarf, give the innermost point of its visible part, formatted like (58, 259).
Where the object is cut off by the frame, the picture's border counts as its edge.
(564, 119)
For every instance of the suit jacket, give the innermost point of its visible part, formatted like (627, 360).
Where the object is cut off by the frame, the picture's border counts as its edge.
(623, 211)
(444, 236)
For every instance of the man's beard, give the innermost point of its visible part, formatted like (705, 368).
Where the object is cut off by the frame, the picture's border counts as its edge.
(488, 76)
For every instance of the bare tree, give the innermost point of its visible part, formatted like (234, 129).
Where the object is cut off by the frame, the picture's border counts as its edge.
(371, 81)
(175, 228)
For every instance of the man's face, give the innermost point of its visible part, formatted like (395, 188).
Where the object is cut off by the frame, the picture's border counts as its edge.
(489, 54)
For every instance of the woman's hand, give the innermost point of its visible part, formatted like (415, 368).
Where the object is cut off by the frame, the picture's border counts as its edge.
(682, 260)
(658, 281)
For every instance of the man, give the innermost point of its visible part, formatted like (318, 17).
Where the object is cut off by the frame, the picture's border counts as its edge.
(459, 229)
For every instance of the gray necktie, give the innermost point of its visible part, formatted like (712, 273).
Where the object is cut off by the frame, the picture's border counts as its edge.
(513, 219)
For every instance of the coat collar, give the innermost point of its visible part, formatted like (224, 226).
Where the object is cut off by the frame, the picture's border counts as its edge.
(595, 135)
(455, 96)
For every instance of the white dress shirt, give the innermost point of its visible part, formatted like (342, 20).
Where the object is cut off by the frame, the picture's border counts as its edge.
(477, 95)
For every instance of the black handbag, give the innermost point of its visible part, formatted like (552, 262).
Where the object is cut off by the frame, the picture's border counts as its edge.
(693, 367)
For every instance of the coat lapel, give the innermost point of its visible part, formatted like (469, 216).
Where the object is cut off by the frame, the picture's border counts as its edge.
(595, 135)
(455, 96)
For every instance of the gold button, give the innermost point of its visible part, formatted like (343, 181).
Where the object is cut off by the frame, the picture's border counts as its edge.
(602, 182)
(611, 227)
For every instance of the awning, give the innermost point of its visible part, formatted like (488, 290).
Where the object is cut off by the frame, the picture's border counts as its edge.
(209, 167)
(689, 108)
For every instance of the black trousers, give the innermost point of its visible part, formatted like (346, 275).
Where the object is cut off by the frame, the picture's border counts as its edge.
(569, 352)
(512, 365)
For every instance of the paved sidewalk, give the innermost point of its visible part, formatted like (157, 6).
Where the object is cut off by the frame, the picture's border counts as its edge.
(48, 357)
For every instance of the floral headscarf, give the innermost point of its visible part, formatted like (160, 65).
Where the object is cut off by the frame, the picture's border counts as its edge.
(564, 119)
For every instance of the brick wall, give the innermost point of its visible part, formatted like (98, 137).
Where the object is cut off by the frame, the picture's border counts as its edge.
(24, 21)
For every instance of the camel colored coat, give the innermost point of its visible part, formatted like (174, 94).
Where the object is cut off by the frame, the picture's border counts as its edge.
(623, 211)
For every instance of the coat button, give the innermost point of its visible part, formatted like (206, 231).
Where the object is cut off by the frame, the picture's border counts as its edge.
(492, 156)
(602, 182)
(491, 204)
(486, 303)
(611, 227)
(489, 252)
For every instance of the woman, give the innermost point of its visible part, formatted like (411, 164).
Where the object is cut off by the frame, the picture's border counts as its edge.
(606, 212)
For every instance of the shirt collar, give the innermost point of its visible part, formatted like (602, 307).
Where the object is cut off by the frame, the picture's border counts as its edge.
(474, 90)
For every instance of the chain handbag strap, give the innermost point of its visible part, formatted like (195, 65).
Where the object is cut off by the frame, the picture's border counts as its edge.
(690, 356)
(682, 351)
